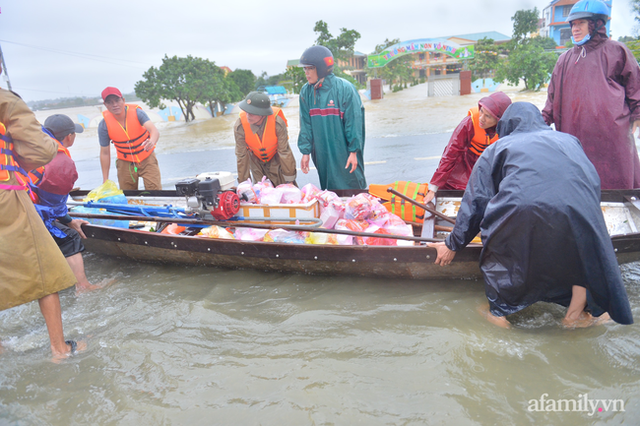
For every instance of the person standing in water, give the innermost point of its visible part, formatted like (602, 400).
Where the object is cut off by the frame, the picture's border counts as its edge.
(535, 198)
(31, 264)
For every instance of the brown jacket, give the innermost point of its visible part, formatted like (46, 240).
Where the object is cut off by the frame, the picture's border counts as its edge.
(280, 169)
(31, 264)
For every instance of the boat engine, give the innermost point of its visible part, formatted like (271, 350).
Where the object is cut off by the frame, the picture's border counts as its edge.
(206, 197)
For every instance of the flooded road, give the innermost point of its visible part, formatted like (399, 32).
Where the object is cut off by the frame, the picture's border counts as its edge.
(170, 345)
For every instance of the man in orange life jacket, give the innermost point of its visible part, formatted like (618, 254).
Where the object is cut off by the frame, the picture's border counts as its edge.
(135, 138)
(262, 142)
(52, 193)
(31, 265)
(474, 133)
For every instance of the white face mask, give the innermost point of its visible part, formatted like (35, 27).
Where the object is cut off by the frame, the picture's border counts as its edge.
(581, 42)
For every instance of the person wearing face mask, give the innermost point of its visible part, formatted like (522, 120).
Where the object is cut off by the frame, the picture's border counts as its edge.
(472, 136)
(331, 124)
(594, 95)
(262, 142)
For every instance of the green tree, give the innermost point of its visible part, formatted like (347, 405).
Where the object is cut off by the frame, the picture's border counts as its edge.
(525, 22)
(486, 58)
(526, 57)
(219, 89)
(244, 79)
(634, 46)
(529, 63)
(635, 7)
(341, 46)
(547, 43)
(179, 79)
(297, 78)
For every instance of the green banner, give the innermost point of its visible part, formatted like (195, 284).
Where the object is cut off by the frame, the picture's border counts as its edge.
(417, 46)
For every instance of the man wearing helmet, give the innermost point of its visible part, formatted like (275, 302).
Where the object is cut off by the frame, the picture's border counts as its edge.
(331, 124)
(594, 95)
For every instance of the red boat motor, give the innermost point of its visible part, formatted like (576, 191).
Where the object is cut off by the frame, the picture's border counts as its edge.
(206, 197)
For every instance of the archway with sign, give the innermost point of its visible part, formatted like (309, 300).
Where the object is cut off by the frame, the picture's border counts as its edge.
(431, 45)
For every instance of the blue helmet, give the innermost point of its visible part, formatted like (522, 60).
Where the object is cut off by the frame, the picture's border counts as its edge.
(589, 9)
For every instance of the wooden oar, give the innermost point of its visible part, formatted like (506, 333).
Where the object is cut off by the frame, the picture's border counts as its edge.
(249, 225)
(422, 206)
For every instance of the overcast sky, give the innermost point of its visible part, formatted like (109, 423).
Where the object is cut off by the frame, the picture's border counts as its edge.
(69, 48)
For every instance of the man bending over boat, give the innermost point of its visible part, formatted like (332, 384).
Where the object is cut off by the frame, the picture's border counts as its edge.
(535, 198)
(262, 142)
(135, 138)
(51, 185)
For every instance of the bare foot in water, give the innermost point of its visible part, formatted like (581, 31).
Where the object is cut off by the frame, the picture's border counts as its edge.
(584, 320)
(58, 357)
(91, 287)
(499, 321)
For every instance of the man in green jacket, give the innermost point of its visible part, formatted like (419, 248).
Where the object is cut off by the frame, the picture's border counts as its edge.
(331, 124)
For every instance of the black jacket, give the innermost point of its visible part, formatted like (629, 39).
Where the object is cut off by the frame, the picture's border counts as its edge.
(535, 196)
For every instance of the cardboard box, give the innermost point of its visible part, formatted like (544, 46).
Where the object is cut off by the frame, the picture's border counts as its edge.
(297, 211)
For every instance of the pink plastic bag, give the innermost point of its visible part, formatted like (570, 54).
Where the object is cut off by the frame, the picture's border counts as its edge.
(309, 192)
(291, 194)
(250, 234)
(358, 207)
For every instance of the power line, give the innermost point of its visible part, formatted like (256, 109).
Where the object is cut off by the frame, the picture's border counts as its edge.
(93, 57)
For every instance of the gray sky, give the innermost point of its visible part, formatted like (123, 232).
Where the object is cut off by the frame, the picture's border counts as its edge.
(76, 47)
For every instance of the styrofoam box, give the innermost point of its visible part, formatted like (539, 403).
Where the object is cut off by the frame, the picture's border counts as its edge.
(298, 211)
(226, 179)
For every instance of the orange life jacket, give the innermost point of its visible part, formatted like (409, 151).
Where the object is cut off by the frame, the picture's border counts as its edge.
(404, 209)
(9, 164)
(480, 140)
(266, 148)
(129, 139)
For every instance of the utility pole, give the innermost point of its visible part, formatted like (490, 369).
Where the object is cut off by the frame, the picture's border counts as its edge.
(4, 69)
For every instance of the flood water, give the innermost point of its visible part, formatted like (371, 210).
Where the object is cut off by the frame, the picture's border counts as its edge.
(173, 345)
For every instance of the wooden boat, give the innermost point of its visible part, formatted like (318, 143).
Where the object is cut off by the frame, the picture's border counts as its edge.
(620, 208)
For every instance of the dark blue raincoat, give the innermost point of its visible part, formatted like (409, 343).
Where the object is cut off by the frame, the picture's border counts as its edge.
(535, 197)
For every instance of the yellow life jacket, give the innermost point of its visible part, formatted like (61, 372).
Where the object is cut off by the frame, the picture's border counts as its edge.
(480, 140)
(266, 147)
(129, 139)
(398, 206)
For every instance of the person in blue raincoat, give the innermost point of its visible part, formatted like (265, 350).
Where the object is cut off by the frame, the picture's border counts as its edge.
(331, 124)
(535, 197)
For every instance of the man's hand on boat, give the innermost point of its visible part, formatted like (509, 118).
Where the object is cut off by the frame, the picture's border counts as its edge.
(77, 225)
(445, 255)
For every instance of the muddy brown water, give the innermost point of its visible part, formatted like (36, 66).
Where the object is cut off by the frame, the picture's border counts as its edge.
(173, 345)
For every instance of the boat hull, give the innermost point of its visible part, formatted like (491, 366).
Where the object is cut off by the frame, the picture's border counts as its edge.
(407, 262)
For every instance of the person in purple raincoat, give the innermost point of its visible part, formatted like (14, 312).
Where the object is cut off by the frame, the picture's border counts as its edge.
(594, 95)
